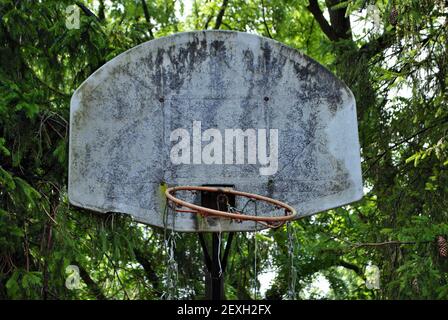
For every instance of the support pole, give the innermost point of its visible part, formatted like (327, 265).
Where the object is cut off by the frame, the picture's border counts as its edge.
(216, 266)
(216, 262)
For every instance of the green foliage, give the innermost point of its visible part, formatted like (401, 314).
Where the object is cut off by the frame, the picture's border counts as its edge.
(399, 78)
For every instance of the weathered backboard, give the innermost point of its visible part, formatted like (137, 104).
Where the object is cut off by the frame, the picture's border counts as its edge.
(212, 107)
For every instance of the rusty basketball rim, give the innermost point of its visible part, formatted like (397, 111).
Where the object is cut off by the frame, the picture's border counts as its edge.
(270, 221)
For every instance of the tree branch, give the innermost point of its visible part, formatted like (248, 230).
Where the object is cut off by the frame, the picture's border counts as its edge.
(210, 17)
(377, 45)
(315, 10)
(101, 9)
(86, 10)
(340, 23)
(148, 18)
(386, 243)
(351, 266)
(117, 275)
(149, 271)
(264, 19)
(221, 14)
(92, 285)
(404, 140)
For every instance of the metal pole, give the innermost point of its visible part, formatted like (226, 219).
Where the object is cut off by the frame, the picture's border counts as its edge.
(216, 265)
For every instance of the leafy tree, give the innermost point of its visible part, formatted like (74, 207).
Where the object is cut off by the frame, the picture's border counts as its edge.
(397, 69)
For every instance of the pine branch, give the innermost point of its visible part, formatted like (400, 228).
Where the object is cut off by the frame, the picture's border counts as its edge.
(377, 45)
(405, 140)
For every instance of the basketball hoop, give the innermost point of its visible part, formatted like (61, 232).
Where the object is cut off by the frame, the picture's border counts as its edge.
(269, 221)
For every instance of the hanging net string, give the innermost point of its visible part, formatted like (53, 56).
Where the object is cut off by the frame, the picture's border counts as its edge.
(292, 241)
(223, 199)
(171, 278)
(172, 267)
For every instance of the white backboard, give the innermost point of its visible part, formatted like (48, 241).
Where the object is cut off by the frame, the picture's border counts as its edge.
(159, 114)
